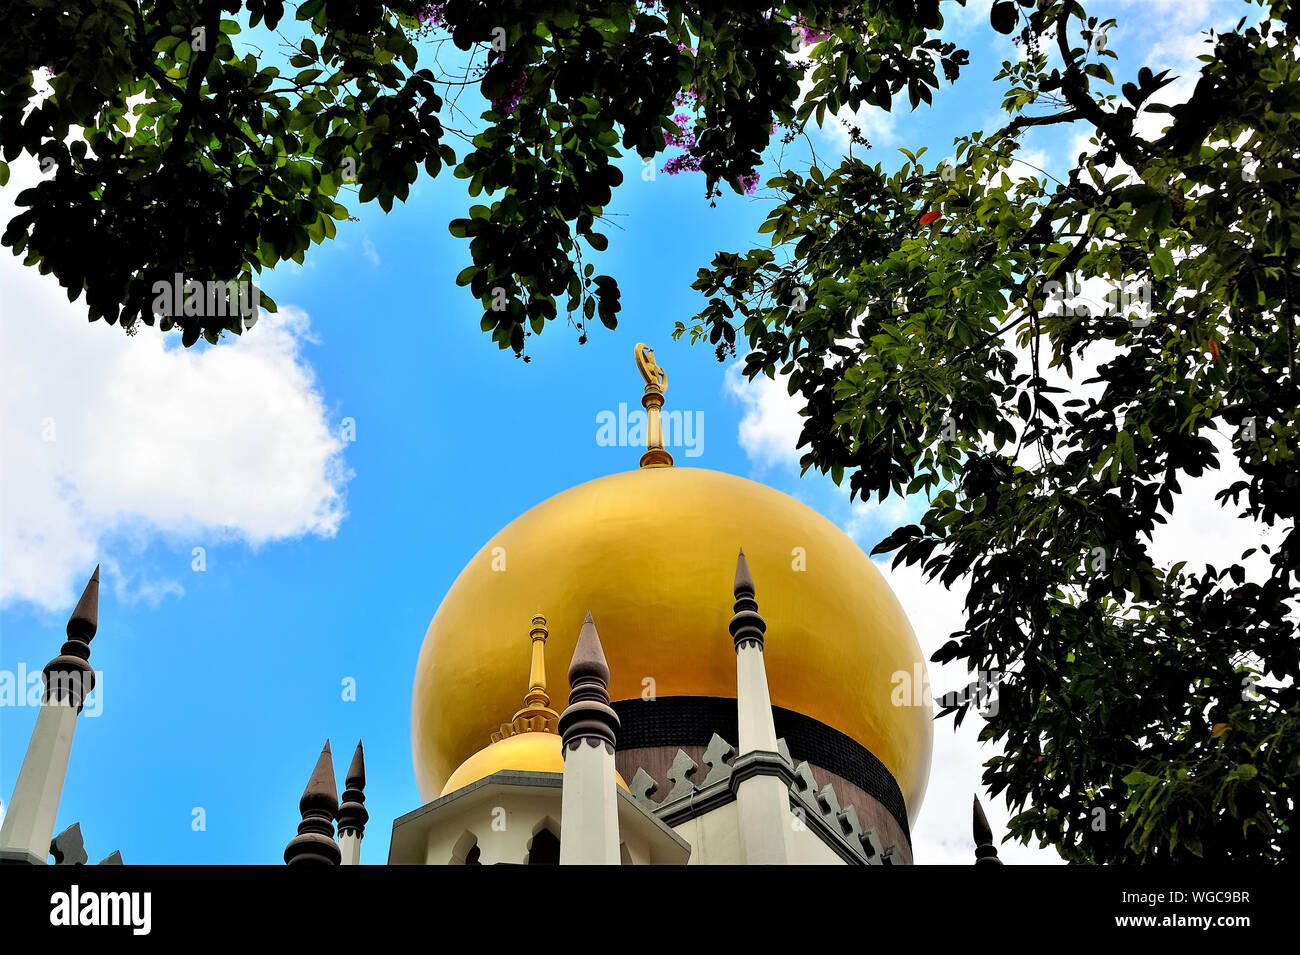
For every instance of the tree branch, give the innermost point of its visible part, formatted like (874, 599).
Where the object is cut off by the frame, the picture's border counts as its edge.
(198, 73)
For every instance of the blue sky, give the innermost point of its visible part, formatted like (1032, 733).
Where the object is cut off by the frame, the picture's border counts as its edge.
(325, 559)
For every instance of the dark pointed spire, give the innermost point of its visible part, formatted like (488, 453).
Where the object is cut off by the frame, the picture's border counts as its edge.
(746, 625)
(352, 813)
(986, 853)
(321, 792)
(356, 778)
(588, 661)
(69, 677)
(744, 583)
(588, 715)
(319, 805)
(85, 618)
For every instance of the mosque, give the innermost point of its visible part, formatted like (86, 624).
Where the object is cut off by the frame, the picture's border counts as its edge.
(730, 660)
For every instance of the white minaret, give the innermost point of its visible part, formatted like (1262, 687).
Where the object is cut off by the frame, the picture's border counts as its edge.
(760, 775)
(29, 818)
(352, 814)
(588, 727)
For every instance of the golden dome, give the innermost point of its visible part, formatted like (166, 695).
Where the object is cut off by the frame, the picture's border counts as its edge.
(523, 752)
(651, 554)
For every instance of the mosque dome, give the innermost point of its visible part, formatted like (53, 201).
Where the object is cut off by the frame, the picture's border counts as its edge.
(651, 554)
(534, 752)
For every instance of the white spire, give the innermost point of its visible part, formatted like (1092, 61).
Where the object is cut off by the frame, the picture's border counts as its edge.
(760, 771)
(589, 832)
(29, 818)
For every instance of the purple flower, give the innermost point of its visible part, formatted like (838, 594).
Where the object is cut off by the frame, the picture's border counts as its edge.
(687, 138)
(514, 93)
(435, 13)
(683, 163)
(810, 34)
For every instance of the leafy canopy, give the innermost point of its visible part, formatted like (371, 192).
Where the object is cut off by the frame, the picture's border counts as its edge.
(169, 147)
(926, 317)
(929, 321)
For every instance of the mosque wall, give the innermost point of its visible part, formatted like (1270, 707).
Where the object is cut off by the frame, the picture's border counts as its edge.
(502, 827)
(714, 836)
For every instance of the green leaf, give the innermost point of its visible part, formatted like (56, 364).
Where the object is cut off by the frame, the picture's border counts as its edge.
(1162, 263)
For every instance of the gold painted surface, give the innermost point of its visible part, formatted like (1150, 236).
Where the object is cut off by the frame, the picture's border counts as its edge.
(656, 383)
(652, 553)
(536, 713)
(524, 752)
(651, 373)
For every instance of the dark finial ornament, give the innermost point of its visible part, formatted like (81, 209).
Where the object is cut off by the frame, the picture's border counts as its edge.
(69, 847)
(746, 625)
(84, 621)
(315, 843)
(588, 715)
(352, 813)
(986, 853)
(69, 677)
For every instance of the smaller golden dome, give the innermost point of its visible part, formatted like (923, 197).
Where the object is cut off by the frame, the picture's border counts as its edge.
(529, 752)
(529, 742)
(523, 752)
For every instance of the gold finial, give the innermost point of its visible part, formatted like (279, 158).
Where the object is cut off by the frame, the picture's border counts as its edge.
(536, 716)
(656, 383)
(537, 694)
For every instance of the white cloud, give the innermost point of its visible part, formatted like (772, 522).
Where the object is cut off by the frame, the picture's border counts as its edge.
(109, 442)
(769, 430)
(878, 518)
(942, 835)
(1180, 49)
(958, 21)
(1201, 531)
(1149, 125)
(879, 126)
(1029, 164)
(1170, 14)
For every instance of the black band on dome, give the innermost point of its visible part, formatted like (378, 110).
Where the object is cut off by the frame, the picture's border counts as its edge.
(692, 721)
